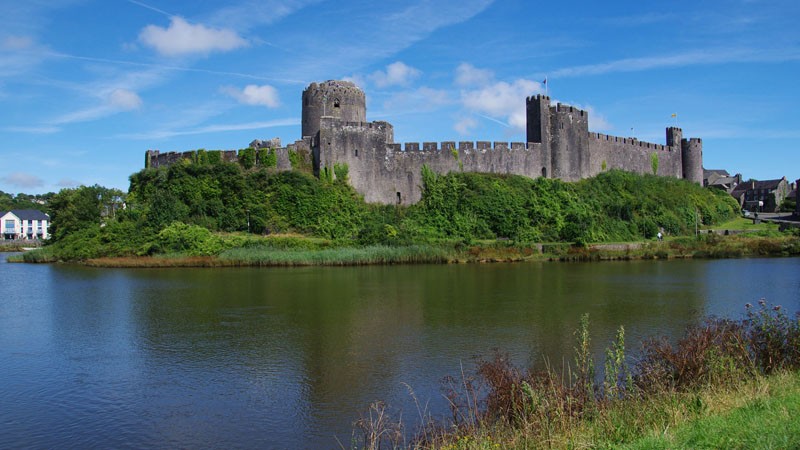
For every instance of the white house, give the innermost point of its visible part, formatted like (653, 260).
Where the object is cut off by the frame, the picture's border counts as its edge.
(24, 224)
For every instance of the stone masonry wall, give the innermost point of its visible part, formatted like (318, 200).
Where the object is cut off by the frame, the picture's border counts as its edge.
(559, 145)
(157, 159)
(631, 155)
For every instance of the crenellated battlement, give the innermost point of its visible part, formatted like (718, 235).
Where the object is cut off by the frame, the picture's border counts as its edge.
(378, 125)
(633, 142)
(558, 144)
(538, 97)
(461, 146)
(562, 108)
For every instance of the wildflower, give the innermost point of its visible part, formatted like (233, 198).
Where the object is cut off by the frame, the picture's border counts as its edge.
(748, 305)
(776, 307)
(762, 302)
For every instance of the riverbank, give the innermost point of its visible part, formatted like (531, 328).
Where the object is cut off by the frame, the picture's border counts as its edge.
(18, 246)
(757, 413)
(313, 252)
(725, 383)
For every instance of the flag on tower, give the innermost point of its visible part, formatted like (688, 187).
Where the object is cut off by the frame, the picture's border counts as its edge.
(544, 82)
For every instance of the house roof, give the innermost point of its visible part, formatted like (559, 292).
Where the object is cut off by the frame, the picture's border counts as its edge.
(768, 184)
(27, 214)
(723, 180)
(740, 189)
(720, 172)
(765, 184)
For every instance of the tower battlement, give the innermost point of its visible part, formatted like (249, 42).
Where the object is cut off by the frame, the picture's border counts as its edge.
(558, 145)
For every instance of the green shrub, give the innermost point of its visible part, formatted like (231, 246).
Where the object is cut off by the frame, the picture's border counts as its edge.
(247, 157)
(192, 240)
(294, 159)
(214, 157)
(341, 170)
(267, 158)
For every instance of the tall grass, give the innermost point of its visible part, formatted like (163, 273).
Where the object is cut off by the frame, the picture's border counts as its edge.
(40, 255)
(347, 256)
(717, 365)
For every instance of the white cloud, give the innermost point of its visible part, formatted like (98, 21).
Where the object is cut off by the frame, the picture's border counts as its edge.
(250, 14)
(219, 128)
(68, 183)
(124, 99)
(264, 95)
(11, 43)
(183, 38)
(115, 101)
(20, 54)
(465, 125)
(356, 79)
(691, 58)
(45, 129)
(469, 75)
(396, 74)
(23, 180)
(421, 99)
(502, 100)
(597, 121)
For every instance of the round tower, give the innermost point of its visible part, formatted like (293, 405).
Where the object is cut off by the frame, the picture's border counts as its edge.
(692, 160)
(333, 98)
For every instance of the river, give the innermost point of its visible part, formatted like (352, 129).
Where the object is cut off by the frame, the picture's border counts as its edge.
(289, 358)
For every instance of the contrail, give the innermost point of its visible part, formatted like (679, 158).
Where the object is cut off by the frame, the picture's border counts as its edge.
(175, 68)
(494, 120)
(151, 8)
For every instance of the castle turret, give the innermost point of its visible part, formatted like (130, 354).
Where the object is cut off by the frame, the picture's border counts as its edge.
(692, 160)
(341, 100)
(151, 159)
(569, 146)
(538, 112)
(674, 137)
(538, 128)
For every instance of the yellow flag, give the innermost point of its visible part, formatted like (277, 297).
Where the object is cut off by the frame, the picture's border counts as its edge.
(674, 115)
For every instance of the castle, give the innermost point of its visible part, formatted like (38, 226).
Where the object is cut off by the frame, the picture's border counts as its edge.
(559, 145)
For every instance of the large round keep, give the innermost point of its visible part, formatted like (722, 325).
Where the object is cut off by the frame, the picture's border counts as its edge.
(342, 100)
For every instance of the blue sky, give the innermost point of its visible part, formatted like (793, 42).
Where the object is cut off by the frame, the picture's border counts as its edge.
(86, 86)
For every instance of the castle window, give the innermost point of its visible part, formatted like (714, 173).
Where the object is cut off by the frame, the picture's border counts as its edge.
(336, 103)
(544, 172)
(399, 198)
(356, 153)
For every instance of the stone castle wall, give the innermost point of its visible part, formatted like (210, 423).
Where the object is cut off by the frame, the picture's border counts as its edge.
(632, 155)
(155, 159)
(559, 145)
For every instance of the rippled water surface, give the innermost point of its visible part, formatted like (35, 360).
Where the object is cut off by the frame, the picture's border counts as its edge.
(288, 358)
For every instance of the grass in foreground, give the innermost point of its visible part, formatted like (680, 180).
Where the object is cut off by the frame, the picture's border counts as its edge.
(723, 385)
(764, 416)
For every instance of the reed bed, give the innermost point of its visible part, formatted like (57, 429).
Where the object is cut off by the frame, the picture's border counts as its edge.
(345, 256)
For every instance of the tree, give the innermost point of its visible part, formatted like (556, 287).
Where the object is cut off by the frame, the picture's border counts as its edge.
(74, 209)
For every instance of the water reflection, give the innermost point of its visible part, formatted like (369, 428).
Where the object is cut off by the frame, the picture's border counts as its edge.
(289, 357)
